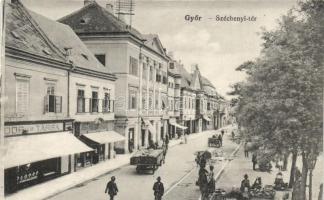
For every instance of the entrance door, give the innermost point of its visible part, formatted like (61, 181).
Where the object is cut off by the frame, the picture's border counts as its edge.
(131, 139)
(143, 137)
(149, 136)
(162, 131)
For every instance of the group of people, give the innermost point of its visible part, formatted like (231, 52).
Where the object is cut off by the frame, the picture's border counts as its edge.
(112, 189)
(206, 181)
(246, 187)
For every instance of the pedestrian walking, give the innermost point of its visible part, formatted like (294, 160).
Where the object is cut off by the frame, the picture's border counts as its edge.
(203, 181)
(220, 138)
(211, 180)
(111, 188)
(246, 151)
(320, 194)
(233, 135)
(185, 138)
(158, 189)
(166, 141)
(222, 133)
(254, 160)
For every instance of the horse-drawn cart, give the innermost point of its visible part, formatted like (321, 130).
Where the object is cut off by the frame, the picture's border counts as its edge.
(214, 142)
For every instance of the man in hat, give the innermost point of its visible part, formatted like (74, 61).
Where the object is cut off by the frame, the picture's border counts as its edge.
(111, 188)
(158, 189)
(245, 183)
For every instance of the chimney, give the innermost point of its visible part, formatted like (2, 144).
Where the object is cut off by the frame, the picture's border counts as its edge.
(110, 8)
(87, 2)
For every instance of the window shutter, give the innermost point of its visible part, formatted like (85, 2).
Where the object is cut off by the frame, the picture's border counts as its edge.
(46, 104)
(58, 104)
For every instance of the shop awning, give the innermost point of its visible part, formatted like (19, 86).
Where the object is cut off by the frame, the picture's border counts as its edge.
(22, 150)
(174, 123)
(206, 118)
(104, 137)
(149, 126)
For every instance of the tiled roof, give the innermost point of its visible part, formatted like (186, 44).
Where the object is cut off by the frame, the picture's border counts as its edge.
(186, 77)
(22, 33)
(64, 37)
(205, 81)
(152, 41)
(95, 19)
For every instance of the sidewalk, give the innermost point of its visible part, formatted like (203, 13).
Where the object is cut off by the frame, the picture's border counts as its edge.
(233, 174)
(186, 188)
(55, 186)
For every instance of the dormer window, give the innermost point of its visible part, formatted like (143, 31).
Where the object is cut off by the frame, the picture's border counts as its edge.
(85, 56)
(46, 52)
(15, 35)
(84, 20)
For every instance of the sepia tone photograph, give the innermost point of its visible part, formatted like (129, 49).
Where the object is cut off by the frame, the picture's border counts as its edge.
(161, 99)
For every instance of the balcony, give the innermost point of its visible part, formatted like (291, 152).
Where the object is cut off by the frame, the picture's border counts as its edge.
(94, 105)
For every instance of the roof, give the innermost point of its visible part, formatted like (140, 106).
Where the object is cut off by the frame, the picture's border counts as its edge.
(186, 78)
(95, 19)
(64, 37)
(22, 33)
(206, 82)
(152, 41)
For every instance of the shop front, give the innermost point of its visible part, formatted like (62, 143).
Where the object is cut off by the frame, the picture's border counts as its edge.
(102, 143)
(32, 159)
(179, 129)
(87, 159)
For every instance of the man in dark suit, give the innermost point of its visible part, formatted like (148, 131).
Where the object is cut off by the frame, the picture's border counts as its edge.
(158, 189)
(111, 188)
(254, 160)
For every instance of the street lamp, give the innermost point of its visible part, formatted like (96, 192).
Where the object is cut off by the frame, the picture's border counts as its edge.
(311, 162)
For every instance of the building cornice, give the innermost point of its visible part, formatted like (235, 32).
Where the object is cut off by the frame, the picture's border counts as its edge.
(93, 73)
(34, 58)
(31, 57)
(120, 35)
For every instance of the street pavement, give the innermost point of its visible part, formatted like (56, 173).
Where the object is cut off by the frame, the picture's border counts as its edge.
(186, 189)
(179, 162)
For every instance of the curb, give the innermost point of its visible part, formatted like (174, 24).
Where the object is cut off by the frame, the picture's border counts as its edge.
(227, 162)
(75, 183)
(221, 171)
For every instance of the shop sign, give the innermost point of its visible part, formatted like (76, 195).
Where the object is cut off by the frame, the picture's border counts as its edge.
(32, 128)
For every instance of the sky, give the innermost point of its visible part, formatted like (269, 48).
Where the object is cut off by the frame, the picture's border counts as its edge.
(218, 47)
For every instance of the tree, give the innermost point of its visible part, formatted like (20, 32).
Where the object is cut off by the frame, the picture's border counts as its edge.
(281, 100)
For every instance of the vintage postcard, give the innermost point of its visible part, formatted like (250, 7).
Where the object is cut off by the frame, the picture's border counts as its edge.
(161, 99)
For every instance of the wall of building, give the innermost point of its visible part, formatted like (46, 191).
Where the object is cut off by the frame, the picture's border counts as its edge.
(38, 76)
(89, 84)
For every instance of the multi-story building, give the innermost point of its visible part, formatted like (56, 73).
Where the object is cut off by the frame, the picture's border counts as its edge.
(91, 94)
(140, 63)
(174, 98)
(202, 108)
(38, 138)
(188, 102)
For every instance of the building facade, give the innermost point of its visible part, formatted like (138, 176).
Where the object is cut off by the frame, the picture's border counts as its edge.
(91, 89)
(38, 128)
(139, 62)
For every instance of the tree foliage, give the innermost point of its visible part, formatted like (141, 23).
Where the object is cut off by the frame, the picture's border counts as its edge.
(282, 99)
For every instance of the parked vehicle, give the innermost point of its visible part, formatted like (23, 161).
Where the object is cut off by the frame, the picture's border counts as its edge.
(148, 159)
(214, 142)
